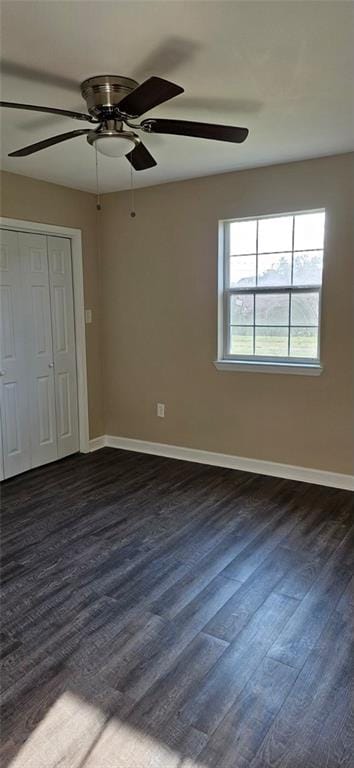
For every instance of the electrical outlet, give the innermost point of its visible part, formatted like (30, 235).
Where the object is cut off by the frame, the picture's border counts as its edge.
(88, 316)
(161, 410)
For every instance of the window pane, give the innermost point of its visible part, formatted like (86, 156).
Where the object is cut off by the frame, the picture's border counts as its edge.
(242, 271)
(272, 309)
(241, 341)
(274, 269)
(309, 231)
(303, 342)
(241, 309)
(272, 342)
(243, 237)
(275, 234)
(304, 309)
(308, 268)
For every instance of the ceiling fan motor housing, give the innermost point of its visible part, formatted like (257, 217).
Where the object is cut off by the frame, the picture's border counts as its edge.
(103, 93)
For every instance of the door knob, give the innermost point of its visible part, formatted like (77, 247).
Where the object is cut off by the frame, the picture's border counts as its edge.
(2, 373)
(50, 365)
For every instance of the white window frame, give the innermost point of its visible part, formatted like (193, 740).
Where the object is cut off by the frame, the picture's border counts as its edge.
(229, 362)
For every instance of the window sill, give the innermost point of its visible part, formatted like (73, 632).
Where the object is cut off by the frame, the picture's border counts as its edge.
(250, 366)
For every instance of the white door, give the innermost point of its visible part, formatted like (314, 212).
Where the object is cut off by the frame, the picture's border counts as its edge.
(39, 404)
(39, 349)
(14, 395)
(64, 351)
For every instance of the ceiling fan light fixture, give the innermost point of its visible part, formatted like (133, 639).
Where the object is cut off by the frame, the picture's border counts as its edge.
(116, 145)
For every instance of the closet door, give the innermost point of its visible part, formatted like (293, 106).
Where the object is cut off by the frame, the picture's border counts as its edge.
(37, 331)
(64, 351)
(14, 401)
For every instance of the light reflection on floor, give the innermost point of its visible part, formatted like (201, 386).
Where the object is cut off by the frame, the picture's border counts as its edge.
(76, 734)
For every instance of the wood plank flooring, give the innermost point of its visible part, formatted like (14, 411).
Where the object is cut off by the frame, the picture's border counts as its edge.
(163, 614)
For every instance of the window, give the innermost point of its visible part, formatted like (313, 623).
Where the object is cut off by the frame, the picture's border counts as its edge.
(270, 290)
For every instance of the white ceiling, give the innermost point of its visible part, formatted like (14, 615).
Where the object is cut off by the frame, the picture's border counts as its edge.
(283, 69)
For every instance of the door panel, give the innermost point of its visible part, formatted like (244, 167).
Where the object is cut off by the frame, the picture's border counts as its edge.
(38, 333)
(14, 397)
(60, 331)
(8, 323)
(64, 426)
(64, 351)
(46, 425)
(41, 330)
(12, 422)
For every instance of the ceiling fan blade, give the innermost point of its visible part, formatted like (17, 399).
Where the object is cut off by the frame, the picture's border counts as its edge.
(140, 158)
(50, 110)
(48, 142)
(35, 75)
(167, 56)
(149, 94)
(199, 130)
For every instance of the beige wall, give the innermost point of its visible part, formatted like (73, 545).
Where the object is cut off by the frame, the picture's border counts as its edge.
(157, 313)
(159, 320)
(25, 198)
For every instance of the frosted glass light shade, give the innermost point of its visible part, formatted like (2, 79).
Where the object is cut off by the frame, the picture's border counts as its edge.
(114, 146)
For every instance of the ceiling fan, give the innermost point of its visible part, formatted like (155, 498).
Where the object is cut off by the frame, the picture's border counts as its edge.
(112, 102)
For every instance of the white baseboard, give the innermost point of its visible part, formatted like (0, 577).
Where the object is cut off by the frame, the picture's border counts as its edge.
(97, 442)
(272, 468)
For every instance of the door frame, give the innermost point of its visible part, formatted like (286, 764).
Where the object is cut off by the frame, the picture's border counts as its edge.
(74, 235)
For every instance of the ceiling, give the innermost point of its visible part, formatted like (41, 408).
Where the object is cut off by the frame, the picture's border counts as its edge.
(282, 69)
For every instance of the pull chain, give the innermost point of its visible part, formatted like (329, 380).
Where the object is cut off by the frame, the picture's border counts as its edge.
(132, 212)
(98, 200)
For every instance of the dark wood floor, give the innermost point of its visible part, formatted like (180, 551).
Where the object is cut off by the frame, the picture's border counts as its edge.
(162, 614)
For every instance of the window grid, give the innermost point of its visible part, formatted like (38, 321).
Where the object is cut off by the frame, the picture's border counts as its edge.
(269, 253)
(253, 290)
(291, 280)
(272, 290)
